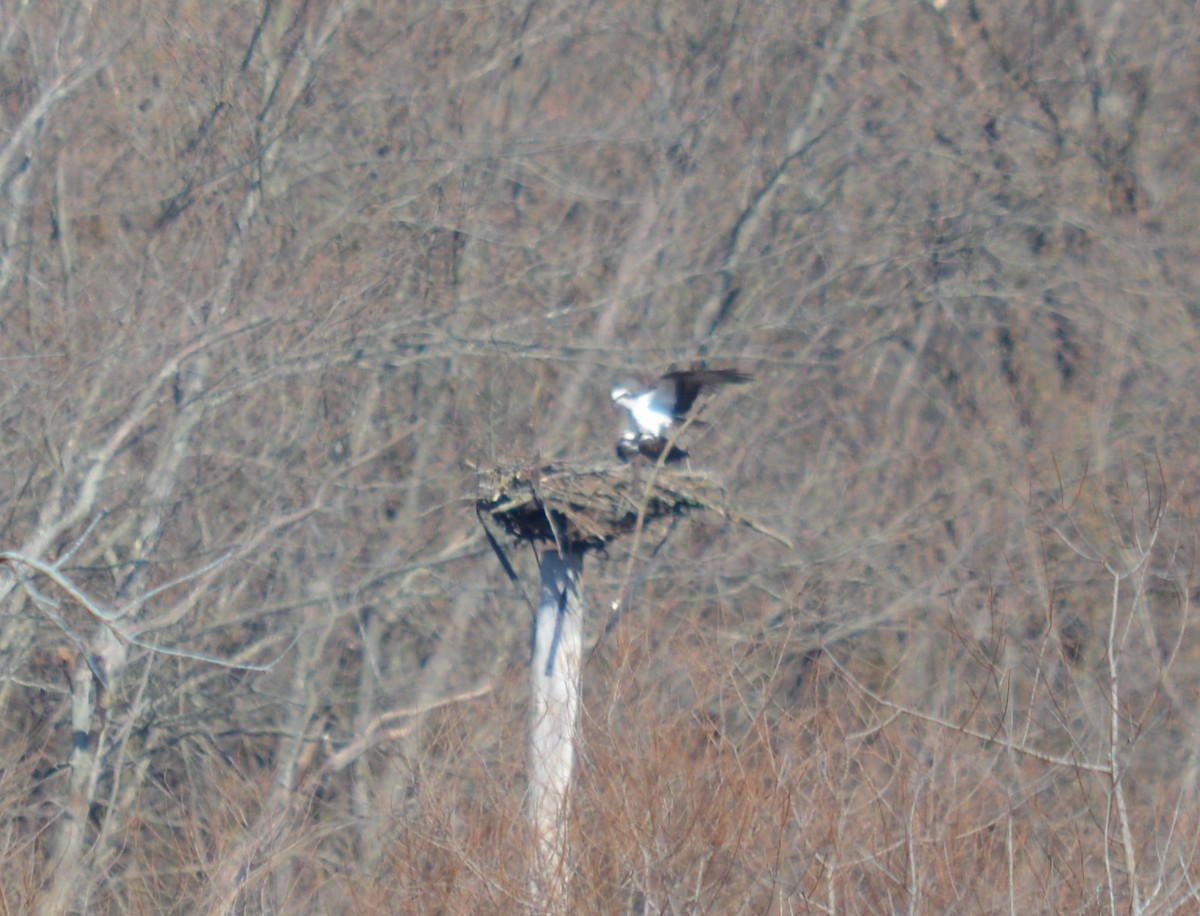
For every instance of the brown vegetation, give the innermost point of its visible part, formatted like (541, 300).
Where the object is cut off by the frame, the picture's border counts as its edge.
(274, 277)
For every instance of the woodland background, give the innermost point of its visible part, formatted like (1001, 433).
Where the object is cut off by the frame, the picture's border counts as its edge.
(275, 276)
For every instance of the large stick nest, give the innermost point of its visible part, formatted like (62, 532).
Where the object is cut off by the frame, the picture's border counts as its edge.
(581, 508)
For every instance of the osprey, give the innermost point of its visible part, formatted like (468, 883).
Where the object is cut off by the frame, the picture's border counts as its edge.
(657, 409)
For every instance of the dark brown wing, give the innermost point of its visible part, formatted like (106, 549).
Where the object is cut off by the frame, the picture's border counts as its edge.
(652, 447)
(688, 383)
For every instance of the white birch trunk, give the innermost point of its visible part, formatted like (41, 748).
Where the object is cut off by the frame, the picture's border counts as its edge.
(554, 679)
(67, 841)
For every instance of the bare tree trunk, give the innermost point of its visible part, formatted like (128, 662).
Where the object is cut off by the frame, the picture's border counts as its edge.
(554, 679)
(67, 840)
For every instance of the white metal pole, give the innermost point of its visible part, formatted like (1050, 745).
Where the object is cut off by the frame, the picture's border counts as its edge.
(554, 681)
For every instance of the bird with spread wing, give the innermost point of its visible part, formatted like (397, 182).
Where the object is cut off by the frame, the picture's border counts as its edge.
(654, 411)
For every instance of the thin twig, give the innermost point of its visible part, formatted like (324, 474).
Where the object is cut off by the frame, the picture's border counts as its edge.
(110, 619)
(1044, 756)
